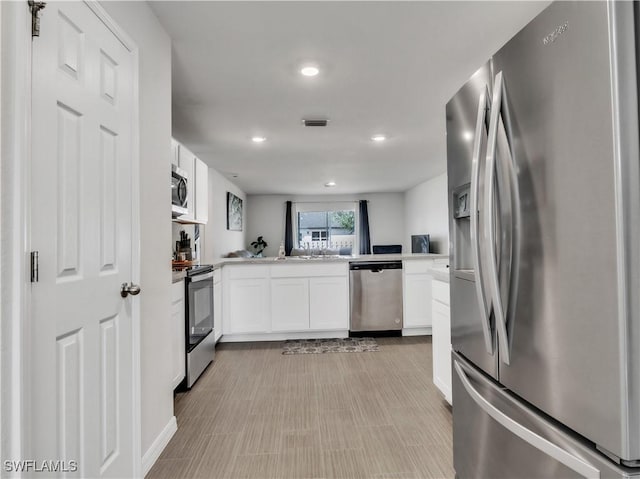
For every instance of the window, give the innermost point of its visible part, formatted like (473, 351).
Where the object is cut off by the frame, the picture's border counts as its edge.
(319, 235)
(326, 226)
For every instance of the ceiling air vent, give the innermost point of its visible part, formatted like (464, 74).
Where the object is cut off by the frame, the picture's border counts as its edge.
(315, 122)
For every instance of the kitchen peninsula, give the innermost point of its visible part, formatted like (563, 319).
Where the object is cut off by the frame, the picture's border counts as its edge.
(269, 299)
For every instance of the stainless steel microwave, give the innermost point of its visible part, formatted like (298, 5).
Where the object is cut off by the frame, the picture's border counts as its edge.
(179, 188)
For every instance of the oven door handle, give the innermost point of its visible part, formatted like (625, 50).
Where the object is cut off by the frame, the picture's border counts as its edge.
(201, 277)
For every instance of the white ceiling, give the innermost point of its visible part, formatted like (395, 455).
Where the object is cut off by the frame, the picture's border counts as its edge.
(385, 67)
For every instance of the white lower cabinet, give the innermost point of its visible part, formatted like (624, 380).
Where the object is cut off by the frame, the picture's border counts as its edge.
(289, 304)
(248, 306)
(417, 297)
(217, 304)
(178, 338)
(329, 303)
(285, 300)
(441, 341)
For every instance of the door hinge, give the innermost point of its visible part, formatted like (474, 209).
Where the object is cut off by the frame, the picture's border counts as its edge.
(34, 266)
(35, 8)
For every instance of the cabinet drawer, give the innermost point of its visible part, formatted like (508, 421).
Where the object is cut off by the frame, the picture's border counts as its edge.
(307, 270)
(420, 266)
(177, 291)
(248, 271)
(291, 271)
(440, 291)
(217, 275)
(335, 269)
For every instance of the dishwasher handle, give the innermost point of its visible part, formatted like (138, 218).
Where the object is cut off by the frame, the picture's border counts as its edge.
(375, 266)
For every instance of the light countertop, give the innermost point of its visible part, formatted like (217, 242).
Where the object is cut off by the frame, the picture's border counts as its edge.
(328, 259)
(177, 276)
(439, 272)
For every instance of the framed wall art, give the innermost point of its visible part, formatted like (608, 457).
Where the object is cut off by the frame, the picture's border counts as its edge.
(234, 212)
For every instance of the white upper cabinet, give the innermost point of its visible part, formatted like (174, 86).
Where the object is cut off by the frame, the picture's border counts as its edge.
(175, 152)
(187, 163)
(201, 193)
(197, 184)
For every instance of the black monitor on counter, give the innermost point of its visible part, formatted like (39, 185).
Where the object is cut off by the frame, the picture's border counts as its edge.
(420, 243)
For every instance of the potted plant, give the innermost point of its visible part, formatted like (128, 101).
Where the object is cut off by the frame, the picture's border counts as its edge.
(259, 245)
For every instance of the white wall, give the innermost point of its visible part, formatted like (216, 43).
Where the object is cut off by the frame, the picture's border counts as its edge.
(218, 241)
(265, 217)
(138, 20)
(426, 212)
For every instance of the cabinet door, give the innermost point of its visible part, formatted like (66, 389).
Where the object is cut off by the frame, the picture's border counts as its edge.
(329, 303)
(201, 191)
(217, 309)
(441, 342)
(178, 338)
(248, 306)
(187, 163)
(417, 301)
(290, 304)
(175, 152)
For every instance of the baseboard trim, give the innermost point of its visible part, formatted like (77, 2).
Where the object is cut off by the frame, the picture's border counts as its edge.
(444, 389)
(282, 336)
(153, 453)
(426, 331)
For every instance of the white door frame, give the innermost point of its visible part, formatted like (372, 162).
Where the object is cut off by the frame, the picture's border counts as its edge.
(15, 230)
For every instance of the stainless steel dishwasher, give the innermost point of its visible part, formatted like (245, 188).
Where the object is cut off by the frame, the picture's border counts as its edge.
(375, 290)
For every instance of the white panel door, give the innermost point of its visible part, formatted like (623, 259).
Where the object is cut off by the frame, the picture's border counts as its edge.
(329, 303)
(290, 304)
(81, 353)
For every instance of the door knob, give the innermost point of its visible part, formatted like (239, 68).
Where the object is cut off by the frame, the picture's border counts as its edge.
(132, 289)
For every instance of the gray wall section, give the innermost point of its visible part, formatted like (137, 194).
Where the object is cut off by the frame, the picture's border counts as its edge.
(426, 212)
(265, 217)
(218, 241)
(137, 19)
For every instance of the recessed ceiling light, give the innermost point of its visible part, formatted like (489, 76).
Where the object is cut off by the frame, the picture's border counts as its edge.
(258, 139)
(330, 184)
(378, 138)
(310, 71)
(467, 136)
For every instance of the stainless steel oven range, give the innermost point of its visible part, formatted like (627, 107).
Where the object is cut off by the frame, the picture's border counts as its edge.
(200, 340)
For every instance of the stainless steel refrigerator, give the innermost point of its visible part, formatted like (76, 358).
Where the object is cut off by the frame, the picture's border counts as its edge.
(544, 201)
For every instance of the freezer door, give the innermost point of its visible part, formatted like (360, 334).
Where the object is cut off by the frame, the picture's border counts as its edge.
(472, 332)
(496, 436)
(567, 335)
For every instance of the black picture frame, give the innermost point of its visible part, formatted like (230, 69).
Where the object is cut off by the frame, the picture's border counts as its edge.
(234, 212)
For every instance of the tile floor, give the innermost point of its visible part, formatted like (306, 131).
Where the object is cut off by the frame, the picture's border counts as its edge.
(256, 413)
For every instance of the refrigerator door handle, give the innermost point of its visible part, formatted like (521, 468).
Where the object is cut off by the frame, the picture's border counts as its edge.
(547, 447)
(500, 109)
(484, 106)
(514, 265)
